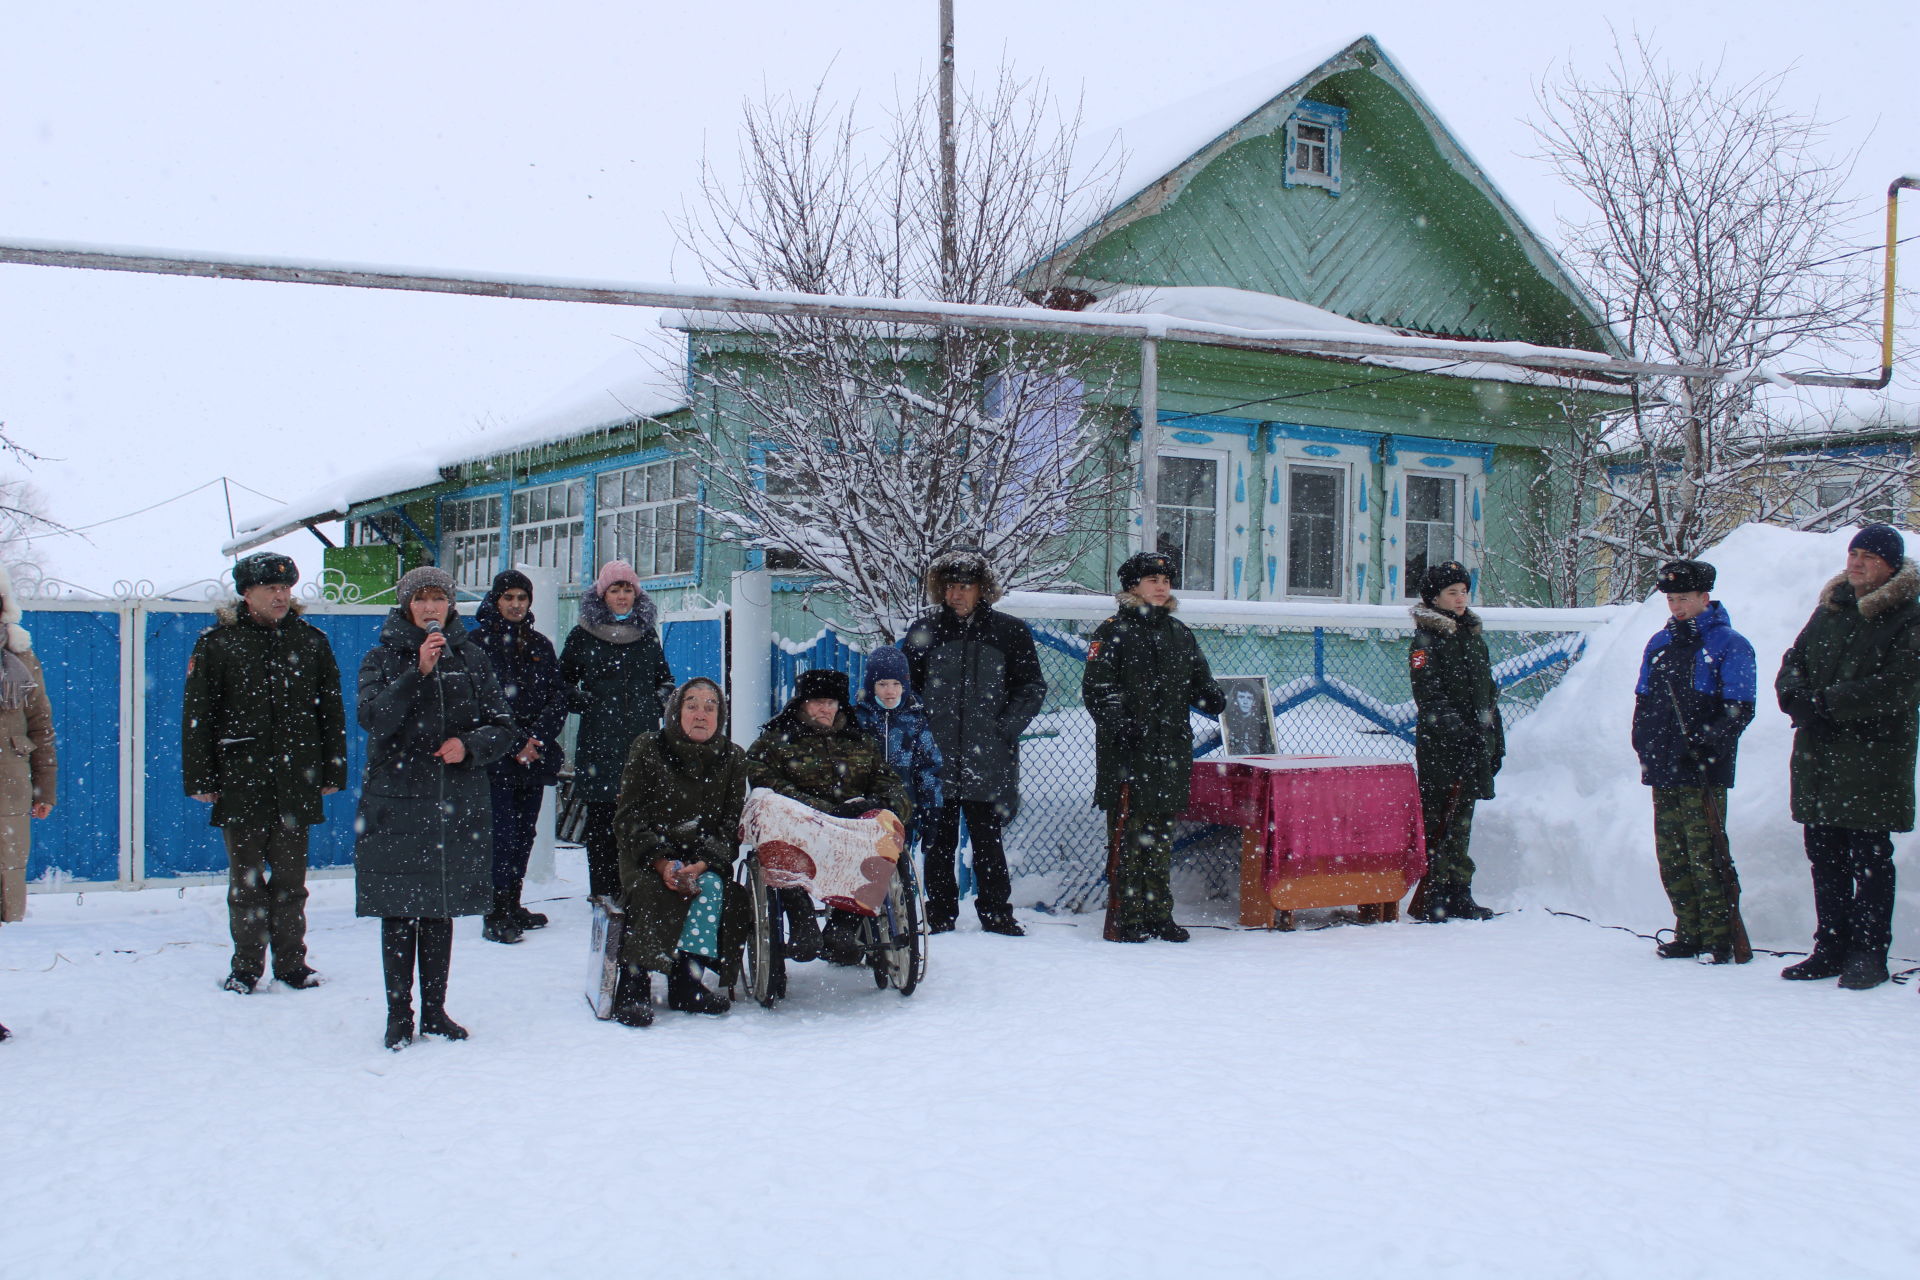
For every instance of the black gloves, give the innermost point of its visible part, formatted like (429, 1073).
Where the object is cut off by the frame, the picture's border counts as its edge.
(1802, 707)
(854, 806)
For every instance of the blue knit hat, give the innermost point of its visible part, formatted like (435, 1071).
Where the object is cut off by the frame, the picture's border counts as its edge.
(1882, 540)
(886, 663)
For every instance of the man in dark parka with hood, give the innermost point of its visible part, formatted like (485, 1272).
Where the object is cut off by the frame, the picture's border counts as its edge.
(1851, 685)
(1459, 740)
(263, 740)
(1694, 698)
(978, 673)
(1144, 670)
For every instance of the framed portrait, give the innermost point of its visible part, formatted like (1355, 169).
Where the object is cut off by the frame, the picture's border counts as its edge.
(1246, 726)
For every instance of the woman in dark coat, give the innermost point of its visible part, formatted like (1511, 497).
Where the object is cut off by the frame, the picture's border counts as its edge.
(435, 719)
(1459, 742)
(614, 663)
(679, 827)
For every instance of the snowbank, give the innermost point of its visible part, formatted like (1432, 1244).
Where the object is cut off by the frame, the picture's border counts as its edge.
(1573, 827)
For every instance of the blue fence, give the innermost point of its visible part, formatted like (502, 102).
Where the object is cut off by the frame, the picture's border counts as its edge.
(121, 812)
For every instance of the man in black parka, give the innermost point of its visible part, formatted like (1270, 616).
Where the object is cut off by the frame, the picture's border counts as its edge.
(1851, 684)
(1144, 670)
(263, 739)
(978, 673)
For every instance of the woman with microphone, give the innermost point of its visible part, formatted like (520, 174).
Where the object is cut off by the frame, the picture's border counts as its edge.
(435, 719)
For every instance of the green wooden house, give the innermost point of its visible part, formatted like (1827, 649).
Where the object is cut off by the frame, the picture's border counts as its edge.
(1330, 200)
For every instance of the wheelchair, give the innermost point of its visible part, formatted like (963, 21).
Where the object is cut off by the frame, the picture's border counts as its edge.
(893, 941)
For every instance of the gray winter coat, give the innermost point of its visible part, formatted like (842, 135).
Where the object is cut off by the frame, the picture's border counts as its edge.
(425, 829)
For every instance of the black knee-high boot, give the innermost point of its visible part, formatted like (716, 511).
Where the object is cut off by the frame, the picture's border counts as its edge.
(436, 962)
(398, 937)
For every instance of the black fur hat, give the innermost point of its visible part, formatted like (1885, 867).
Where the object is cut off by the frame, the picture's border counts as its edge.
(1439, 577)
(264, 569)
(822, 682)
(1687, 575)
(1145, 564)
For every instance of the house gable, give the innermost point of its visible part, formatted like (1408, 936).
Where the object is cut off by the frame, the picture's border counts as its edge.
(1417, 237)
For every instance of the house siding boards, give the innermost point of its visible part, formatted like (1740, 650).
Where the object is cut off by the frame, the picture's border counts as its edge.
(1409, 242)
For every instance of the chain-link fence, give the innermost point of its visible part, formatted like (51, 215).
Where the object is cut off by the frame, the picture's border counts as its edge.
(1336, 691)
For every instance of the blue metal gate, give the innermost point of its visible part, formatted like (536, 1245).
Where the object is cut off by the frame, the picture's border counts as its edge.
(80, 651)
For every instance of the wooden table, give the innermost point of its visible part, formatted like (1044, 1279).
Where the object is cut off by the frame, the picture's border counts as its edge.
(1316, 831)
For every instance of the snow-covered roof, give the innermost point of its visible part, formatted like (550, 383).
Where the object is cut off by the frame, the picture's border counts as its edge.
(637, 383)
(1266, 315)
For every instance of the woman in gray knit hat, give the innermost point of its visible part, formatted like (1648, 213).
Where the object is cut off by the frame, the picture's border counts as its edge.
(435, 719)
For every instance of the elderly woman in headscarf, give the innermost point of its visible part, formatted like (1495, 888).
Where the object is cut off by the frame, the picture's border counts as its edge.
(26, 753)
(679, 824)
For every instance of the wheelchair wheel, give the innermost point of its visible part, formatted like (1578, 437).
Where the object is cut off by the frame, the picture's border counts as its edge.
(899, 952)
(766, 966)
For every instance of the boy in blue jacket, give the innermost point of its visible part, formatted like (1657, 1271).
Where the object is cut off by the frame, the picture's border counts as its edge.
(1695, 696)
(890, 710)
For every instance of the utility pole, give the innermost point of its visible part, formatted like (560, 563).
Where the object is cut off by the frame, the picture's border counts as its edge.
(949, 182)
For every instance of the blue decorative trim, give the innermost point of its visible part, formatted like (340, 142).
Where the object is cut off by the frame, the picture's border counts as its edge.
(1323, 435)
(1206, 422)
(1239, 483)
(1273, 572)
(1398, 444)
(1363, 495)
(1238, 565)
(1393, 505)
(1321, 451)
(1476, 506)
(1192, 437)
(1432, 461)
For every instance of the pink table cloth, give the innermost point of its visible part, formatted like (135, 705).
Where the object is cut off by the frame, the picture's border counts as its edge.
(1320, 815)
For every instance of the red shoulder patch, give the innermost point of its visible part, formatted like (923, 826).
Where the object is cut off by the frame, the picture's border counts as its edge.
(1419, 659)
(1093, 650)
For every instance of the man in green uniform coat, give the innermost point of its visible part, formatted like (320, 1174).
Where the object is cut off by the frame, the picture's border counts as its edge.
(1851, 684)
(1459, 741)
(263, 738)
(1144, 670)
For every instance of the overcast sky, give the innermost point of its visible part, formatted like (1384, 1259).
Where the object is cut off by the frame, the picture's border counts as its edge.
(479, 135)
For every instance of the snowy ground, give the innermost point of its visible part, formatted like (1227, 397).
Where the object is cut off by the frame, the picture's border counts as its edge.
(1531, 1097)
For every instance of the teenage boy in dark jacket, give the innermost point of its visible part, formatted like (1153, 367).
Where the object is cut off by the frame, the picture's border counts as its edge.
(528, 671)
(1144, 670)
(1694, 698)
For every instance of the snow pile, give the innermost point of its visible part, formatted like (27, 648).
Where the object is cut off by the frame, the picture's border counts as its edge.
(1573, 826)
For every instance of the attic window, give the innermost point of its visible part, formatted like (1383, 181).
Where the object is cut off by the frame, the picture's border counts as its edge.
(1313, 146)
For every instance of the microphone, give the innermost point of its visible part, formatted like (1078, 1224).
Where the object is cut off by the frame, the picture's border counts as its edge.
(433, 626)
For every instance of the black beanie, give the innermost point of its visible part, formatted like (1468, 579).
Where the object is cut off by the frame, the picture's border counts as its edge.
(1687, 575)
(1882, 540)
(267, 569)
(510, 580)
(1145, 564)
(1438, 577)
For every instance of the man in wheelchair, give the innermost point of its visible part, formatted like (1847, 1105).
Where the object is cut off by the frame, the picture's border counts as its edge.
(814, 753)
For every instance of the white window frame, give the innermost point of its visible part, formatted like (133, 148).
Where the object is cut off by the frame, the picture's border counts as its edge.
(1315, 116)
(683, 506)
(1342, 534)
(550, 542)
(1221, 495)
(470, 539)
(1410, 585)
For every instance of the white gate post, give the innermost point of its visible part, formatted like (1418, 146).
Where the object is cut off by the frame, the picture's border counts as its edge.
(546, 612)
(750, 653)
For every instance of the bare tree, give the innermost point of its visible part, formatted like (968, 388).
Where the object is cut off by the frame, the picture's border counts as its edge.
(1716, 238)
(855, 451)
(24, 515)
